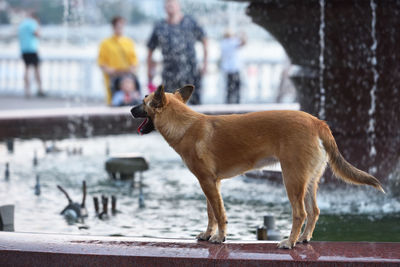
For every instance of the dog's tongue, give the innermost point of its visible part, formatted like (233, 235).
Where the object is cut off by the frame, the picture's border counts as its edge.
(140, 128)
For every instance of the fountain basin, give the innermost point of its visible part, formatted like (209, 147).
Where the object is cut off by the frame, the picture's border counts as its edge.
(175, 205)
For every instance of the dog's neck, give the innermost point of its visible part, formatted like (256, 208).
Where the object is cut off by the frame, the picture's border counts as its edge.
(174, 121)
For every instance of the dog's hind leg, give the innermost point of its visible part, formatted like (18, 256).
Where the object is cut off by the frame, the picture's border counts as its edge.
(212, 225)
(310, 199)
(295, 181)
(312, 212)
(211, 188)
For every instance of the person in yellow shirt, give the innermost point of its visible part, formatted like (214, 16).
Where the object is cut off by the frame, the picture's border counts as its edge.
(117, 55)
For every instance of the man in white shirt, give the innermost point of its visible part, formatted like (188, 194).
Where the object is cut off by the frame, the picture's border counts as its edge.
(230, 65)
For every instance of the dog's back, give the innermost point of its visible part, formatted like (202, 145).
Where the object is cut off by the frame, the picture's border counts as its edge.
(253, 140)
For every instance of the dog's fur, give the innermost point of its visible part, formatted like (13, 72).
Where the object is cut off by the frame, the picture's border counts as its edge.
(219, 147)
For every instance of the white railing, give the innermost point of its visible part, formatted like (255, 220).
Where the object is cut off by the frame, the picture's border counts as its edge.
(80, 77)
(61, 76)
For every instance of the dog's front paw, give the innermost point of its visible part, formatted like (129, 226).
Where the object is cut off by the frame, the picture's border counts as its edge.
(203, 236)
(286, 244)
(217, 239)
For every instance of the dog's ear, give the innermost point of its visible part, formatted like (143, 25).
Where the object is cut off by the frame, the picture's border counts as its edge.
(185, 92)
(159, 99)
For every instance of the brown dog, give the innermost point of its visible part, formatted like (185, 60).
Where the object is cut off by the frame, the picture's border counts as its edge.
(219, 147)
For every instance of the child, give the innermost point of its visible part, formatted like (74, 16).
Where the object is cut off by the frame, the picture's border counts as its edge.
(126, 91)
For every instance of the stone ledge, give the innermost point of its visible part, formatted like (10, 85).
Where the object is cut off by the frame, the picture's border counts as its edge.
(23, 249)
(94, 121)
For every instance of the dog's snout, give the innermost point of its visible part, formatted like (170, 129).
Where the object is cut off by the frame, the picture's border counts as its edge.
(133, 111)
(138, 111)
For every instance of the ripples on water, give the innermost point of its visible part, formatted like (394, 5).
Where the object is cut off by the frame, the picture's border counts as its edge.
(175, 204)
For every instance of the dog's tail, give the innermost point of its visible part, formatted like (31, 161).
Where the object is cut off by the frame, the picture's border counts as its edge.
(339, 165)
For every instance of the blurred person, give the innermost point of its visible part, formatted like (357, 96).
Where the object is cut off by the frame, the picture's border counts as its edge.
(231, 65)
(28, 35)
(117, 56)
(127, 92)
(177, 36)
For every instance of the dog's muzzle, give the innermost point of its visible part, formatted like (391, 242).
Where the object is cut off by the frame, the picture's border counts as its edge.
(138, 111)
(147, 125)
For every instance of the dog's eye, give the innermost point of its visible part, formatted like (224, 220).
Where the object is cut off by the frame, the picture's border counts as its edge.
(146, 96)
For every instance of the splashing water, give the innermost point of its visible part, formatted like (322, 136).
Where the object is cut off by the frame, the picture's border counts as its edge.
(65, 19)
(74, 16)
(372, 109)
(321, 60)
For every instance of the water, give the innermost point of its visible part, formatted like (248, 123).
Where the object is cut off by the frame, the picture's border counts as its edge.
(73, 19)
(358, 227)
(174, 203)
(372, 109)
(65, 19)
(321, 59)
